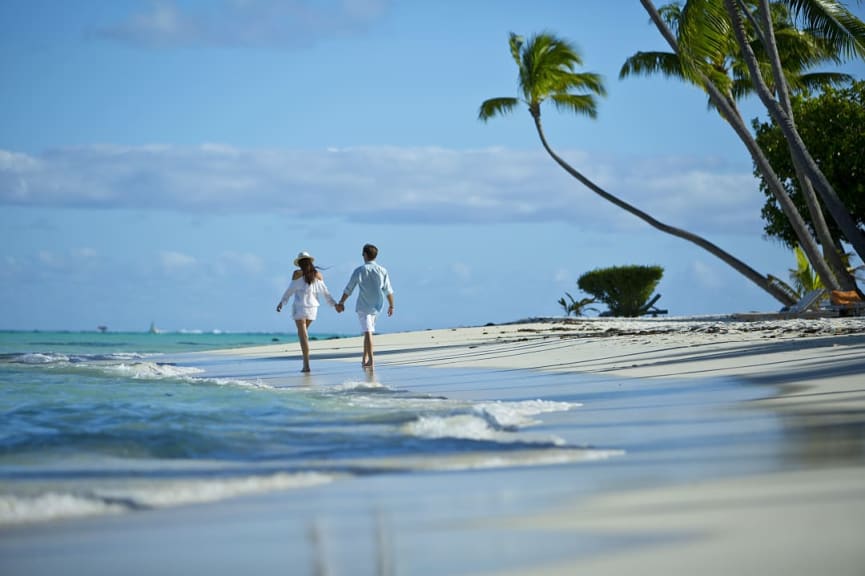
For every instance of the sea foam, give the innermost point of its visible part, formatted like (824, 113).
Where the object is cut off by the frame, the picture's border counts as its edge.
(54, 505)
(489, 421)
(151, 370)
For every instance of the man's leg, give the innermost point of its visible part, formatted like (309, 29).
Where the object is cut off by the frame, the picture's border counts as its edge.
(367, 349)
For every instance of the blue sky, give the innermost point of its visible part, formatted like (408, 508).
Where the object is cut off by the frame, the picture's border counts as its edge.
(164, 161)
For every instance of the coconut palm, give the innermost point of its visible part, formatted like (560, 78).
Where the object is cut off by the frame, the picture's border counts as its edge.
(706, 80)
(775, 95)
(800, 51)
(850, 35)
(726, 70)
(547, 71)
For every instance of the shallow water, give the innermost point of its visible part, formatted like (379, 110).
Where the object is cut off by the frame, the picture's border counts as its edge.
(405, 470)
(119, 431)
(85, 433)
(92, 343)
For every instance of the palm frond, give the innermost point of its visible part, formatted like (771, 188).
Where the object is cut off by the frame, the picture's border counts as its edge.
(817, 81)
(671, 14)
(803, 276)
(704, 35)
(800, 49)
(497, 107)
(650, 63)
(741, 88)
(515, 41)
(547, 68)
(584, 81)
(834, 22)
(583, 104)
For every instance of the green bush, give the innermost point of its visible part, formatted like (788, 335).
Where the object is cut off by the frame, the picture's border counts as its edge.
(624, 289)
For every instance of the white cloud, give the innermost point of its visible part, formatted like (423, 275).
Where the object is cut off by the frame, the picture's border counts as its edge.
(234, 263)
(233, 23)
(50, 264)
(176, 261)
(384, 184)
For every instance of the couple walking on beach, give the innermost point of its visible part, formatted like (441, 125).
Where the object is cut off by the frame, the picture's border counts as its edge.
(307, 284)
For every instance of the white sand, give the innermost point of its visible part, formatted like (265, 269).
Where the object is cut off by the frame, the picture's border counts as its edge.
(792, 503)
(820, 361)
(794, 522)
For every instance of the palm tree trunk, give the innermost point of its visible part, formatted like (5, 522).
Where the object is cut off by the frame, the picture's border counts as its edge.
(738, 265)
(798, 149)
(731, 114)
(830, 250)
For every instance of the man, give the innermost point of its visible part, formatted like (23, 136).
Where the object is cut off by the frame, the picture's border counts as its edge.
(373, 286)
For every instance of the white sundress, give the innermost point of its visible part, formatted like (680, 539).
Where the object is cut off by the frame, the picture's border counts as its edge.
(306, 303)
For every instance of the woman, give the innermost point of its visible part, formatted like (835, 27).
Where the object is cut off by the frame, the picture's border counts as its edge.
(307, 284)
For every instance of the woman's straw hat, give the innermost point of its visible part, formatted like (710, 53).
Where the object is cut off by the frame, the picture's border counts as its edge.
(303, 256)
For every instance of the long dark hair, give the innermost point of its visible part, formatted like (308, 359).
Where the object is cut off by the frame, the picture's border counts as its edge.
(309, 271)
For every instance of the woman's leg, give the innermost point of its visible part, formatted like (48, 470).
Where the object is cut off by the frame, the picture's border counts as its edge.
(303, 336)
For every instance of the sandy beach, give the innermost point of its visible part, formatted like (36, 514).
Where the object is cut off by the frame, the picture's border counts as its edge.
(696, 446)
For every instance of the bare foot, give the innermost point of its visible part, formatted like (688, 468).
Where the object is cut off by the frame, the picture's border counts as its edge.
(306, 369)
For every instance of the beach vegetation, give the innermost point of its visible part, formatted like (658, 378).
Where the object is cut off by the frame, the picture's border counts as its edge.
(804, 279)
(576, 307)
(626, 290)
(548, 71)
(802, 276)
(832, 124)
(731, 49)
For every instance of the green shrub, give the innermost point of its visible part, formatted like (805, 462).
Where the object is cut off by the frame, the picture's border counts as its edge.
(624, 289)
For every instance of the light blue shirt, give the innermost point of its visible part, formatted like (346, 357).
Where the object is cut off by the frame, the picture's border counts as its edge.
(373, 285)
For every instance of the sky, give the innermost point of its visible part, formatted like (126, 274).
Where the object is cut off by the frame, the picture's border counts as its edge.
(164, 161)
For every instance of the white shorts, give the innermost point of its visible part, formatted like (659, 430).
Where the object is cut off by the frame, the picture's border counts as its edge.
(305, 313)
(367, 322)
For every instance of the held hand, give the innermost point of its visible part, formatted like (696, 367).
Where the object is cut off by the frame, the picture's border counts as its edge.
(279, 307)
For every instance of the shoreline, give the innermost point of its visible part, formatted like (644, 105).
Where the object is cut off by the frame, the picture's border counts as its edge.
(740, 438)
(777, 352)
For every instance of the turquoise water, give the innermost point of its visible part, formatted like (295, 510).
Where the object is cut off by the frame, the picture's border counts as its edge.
(143, 342)
(98, 423)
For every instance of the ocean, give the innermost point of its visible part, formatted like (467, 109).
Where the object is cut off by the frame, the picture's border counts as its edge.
(111, 423)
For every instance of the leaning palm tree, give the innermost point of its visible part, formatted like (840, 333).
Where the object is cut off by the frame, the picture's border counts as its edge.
(719, 64)
(708, 80)
(751, 24)
(823, 13)
(547, 71)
